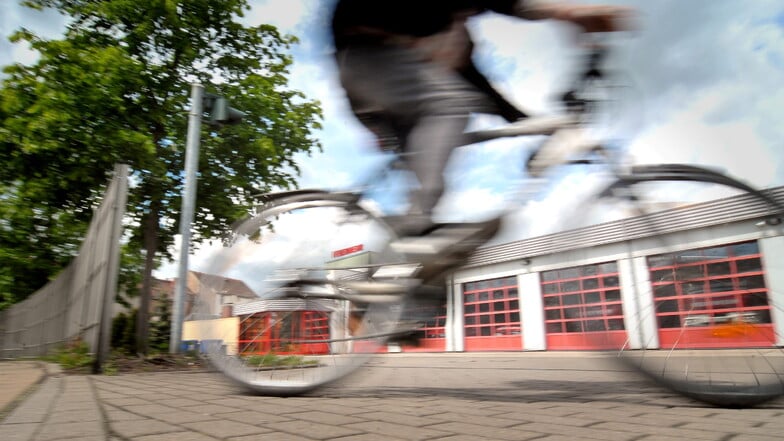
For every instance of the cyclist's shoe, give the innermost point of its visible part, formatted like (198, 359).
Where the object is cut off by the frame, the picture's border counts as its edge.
(445, 240)
(410, 224)
(445, 246)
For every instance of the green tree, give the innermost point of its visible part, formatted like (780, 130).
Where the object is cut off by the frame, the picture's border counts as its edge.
(115, 89)
(161, 327)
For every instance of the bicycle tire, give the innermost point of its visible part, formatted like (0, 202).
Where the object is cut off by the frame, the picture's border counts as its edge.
(311, 321)
(751, 371)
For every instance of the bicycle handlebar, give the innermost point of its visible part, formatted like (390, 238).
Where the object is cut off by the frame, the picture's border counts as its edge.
(571, 99)
(577, 105)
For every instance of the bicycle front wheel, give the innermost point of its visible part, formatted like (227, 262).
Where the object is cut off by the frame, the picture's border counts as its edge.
(296, 297)
(704, 319)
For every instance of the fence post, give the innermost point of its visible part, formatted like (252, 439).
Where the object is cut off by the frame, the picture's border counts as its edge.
(112, 266)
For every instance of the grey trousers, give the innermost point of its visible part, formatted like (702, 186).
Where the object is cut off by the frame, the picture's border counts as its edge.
(416, 106)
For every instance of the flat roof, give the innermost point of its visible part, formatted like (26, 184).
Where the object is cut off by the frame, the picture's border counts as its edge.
(738, 208)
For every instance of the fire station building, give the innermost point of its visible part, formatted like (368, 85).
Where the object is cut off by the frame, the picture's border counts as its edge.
(707, 275)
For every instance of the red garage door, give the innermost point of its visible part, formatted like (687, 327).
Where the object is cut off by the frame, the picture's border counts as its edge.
(492, 315)
(582, 307)
(284, 332)
(712, 298)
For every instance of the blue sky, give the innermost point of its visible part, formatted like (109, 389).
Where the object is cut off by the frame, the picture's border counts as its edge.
(705, 86)
(704, 80)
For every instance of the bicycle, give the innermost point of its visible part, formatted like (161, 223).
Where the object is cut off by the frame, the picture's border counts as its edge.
(323, 309)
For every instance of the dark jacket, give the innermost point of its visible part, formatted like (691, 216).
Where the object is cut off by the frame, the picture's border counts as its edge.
(416, 18)
(363, 22)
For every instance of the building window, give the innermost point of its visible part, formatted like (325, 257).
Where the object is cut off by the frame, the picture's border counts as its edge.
(582, 299)
(709, 287)
(491, 308)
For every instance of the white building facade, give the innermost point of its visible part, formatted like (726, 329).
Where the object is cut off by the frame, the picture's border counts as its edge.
(705, 276)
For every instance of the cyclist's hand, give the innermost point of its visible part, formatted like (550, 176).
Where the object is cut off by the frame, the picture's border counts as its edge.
(601, 18)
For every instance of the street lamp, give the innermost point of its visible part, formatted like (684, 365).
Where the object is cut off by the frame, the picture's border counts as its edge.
(220, 113)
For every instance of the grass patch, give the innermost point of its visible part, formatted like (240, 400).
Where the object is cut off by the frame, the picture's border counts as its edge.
(272, 360)
(72, 356)
(110, 368)
(121, 363)
(76, 359)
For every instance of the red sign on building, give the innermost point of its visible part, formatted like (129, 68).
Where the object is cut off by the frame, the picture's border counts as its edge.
(347, 251)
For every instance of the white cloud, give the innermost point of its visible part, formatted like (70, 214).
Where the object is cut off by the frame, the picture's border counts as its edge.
(46, 24)
(561, 205)
(705, 81)
(735, 146)
(470, 205)
(286, 15)
(299, 239)
(511, 52)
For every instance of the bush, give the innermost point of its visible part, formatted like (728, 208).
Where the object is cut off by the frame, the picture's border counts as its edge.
(73, 355)
(124, 333)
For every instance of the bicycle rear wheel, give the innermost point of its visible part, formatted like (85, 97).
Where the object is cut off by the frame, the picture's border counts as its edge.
(705, 316)
(311, 302)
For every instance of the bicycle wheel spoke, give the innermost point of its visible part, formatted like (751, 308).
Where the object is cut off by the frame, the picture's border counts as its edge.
(715, 337)
(294, 333)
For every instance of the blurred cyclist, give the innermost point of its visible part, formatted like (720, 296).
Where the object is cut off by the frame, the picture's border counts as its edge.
(407, 71)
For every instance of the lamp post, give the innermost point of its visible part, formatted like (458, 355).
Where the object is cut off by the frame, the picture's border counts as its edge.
(186, 213)
(220, 113)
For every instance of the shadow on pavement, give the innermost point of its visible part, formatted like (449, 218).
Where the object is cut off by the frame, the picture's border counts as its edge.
(539, 391)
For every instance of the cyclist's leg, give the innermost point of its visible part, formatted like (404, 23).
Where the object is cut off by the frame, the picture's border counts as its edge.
(505, 109)
(427, 105)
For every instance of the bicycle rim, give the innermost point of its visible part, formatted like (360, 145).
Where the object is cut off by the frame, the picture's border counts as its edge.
(306, 307)
(704, 319)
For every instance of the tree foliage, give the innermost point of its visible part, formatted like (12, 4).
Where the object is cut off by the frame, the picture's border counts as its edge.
(115, 89)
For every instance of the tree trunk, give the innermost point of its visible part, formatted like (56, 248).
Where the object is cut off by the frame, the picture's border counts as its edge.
(143, 315)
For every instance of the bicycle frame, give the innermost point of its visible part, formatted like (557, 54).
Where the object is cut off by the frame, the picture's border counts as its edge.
(385, 287)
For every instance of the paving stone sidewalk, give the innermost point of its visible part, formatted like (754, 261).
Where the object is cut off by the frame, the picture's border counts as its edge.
(18, 377)
(442, 397)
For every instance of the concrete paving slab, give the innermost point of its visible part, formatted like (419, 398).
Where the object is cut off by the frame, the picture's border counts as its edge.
(446, 397)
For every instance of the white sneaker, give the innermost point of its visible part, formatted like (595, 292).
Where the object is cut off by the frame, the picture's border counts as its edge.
(447, 240)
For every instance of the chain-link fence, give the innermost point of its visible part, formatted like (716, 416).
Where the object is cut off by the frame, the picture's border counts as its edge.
(79, 302)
